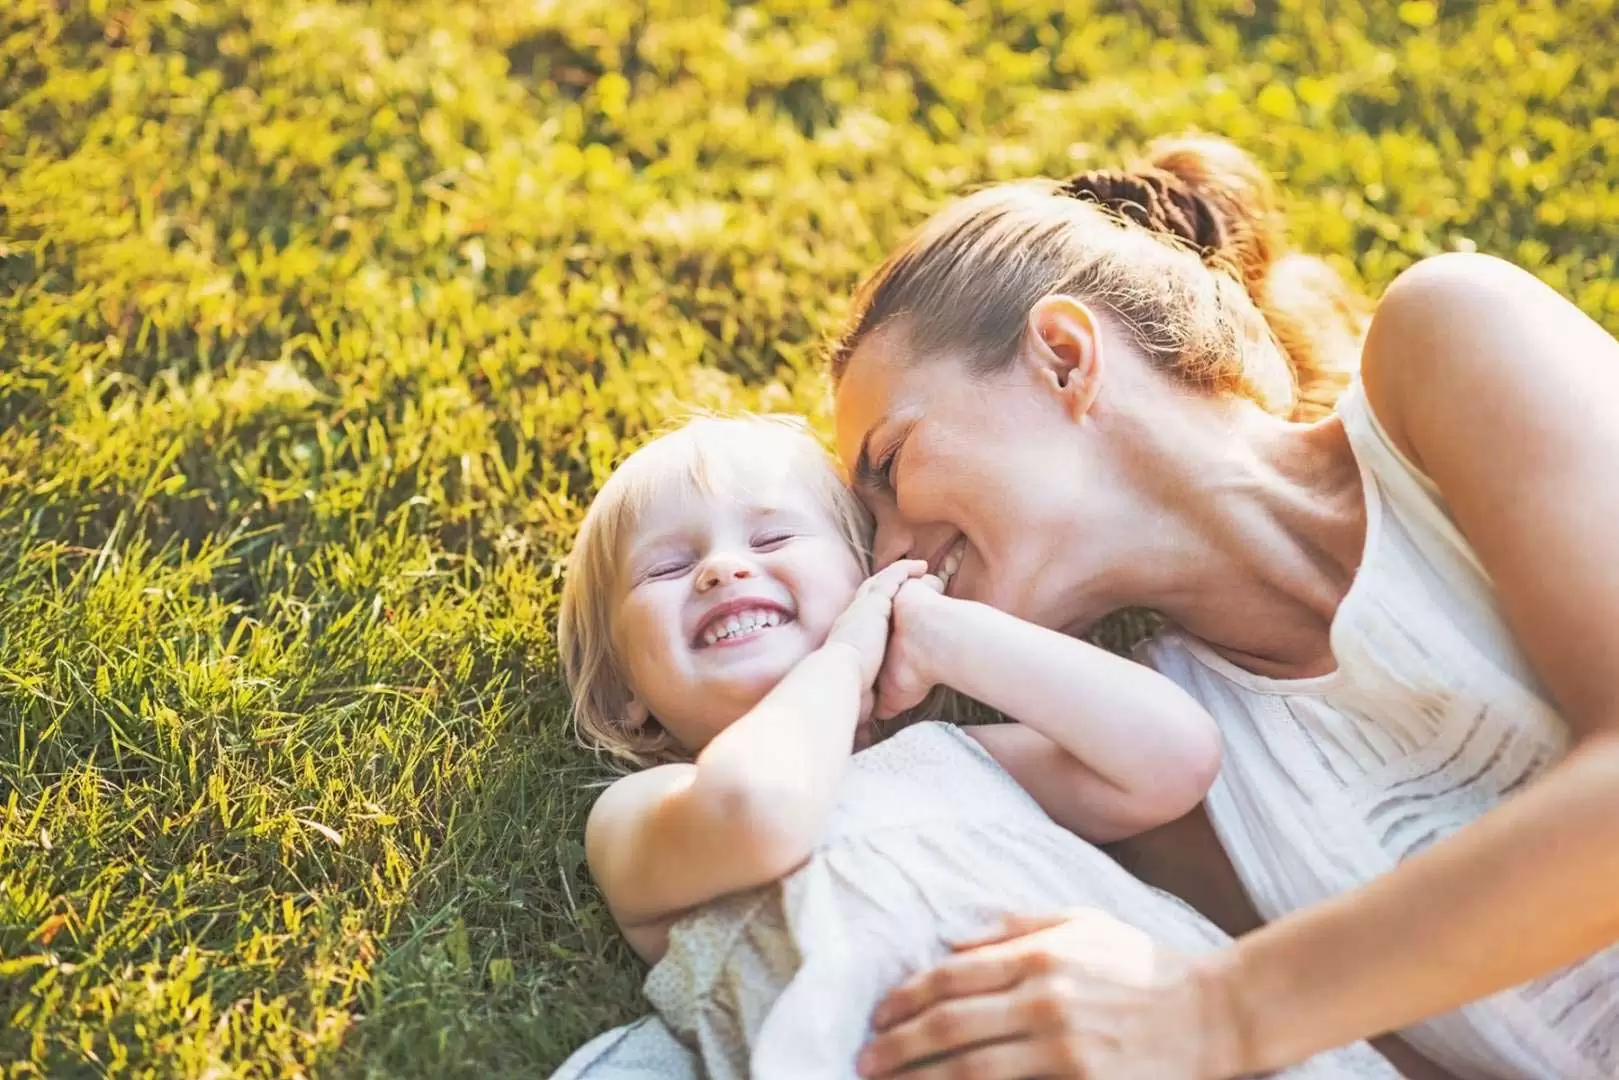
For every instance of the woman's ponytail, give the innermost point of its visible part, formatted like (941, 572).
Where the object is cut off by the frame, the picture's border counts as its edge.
(1317, 319)
(1212, 197)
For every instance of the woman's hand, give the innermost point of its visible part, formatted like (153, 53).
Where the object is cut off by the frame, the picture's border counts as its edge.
(910, 670)
(1074, 995)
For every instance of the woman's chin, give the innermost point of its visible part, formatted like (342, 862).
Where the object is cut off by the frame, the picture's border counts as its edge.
(981, 589)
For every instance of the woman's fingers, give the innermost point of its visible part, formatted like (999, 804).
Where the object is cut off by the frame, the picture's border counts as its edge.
(1009, 927)
(1014, 1060)
(1081, 995)
(948, 1026)
(945, 1027)
(964, 975)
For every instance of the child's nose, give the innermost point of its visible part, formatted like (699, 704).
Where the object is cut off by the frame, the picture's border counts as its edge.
(720, 569)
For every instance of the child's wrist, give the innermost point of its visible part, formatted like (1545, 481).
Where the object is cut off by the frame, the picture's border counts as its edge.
(941, 624)
(844, 653)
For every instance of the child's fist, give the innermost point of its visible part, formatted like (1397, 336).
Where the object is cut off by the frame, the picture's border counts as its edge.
(908, 671)
(864, 623)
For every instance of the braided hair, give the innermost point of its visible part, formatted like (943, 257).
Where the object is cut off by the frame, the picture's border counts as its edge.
(969, 277)
(1155, 200)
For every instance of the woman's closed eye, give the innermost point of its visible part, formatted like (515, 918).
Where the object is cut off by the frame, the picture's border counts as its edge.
(886, 471)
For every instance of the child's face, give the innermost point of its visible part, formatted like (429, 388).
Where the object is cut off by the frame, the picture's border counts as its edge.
(720, 595)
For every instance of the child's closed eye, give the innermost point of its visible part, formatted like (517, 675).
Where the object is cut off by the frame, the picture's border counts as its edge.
(770, 541)
(667, 569)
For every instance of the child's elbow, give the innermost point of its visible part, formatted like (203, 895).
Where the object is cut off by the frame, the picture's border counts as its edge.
(1195, 769)
(1185, 769)
(1192, 768)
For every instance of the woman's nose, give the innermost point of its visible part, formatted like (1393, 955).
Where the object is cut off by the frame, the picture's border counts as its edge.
(721, 568)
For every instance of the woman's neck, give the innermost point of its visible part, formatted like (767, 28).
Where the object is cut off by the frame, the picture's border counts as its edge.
(1258, 528)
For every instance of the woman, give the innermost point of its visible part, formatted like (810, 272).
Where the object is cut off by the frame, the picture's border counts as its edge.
(1404, 614)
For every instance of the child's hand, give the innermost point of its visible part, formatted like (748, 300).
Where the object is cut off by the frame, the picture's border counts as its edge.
(910, 670)
(864, 623)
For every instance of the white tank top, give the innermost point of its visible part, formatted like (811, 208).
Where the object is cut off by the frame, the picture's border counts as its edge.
(1432, 716)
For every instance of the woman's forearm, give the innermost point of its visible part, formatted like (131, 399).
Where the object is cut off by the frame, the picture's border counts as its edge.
(1128, 724)
(1528, 888)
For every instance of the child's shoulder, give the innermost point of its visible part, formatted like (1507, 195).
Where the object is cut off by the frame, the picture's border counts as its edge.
(617, 827)
(634, 792)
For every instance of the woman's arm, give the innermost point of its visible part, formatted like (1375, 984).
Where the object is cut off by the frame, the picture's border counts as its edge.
(1108, 747)
(753, 805)
(1508, 397)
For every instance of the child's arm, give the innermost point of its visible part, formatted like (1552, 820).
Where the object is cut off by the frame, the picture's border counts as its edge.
(754, 803)
(1107, 746)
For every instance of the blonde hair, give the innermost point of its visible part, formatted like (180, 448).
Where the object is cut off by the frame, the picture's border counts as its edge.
(1187, 251)
(702, 455)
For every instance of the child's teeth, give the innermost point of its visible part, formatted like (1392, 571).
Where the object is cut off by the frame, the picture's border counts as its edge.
(743, 623)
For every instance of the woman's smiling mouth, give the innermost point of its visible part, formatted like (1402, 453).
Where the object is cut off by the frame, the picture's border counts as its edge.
(951, 563)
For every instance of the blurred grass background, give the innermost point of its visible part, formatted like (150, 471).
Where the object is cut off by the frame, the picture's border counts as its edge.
(320, 320)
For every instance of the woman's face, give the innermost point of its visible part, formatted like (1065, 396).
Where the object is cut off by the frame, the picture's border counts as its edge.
(947, 460)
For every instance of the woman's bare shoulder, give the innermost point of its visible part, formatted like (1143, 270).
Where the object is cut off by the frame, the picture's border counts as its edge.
(1465, 333)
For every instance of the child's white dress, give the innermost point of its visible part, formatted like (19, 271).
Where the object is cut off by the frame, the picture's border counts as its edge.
(930, 839)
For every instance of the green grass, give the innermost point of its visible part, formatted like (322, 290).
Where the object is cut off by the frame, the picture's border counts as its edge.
(320, 320)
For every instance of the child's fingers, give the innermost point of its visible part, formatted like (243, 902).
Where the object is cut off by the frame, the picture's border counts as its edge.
(901, 569)
(886, 582)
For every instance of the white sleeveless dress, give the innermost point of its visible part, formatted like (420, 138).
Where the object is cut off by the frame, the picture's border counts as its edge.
(930, 838)
(1432, 717)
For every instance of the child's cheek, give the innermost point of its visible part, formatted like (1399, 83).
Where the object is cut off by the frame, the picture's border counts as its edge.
(646, 629)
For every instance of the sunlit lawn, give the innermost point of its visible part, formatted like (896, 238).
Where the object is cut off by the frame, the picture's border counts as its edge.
(320, 320)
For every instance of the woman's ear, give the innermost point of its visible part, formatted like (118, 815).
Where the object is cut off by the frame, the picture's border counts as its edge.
(1063, 348)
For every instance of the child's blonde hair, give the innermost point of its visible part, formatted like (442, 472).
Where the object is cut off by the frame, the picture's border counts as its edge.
(701, 455)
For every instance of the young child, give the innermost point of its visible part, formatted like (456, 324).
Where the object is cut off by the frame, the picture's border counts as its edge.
(719, 632)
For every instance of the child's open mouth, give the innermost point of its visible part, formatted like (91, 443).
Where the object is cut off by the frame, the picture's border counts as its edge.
(732, 624)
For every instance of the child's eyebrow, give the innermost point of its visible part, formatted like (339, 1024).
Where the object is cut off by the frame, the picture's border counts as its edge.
(650, 541)
(641, 548)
